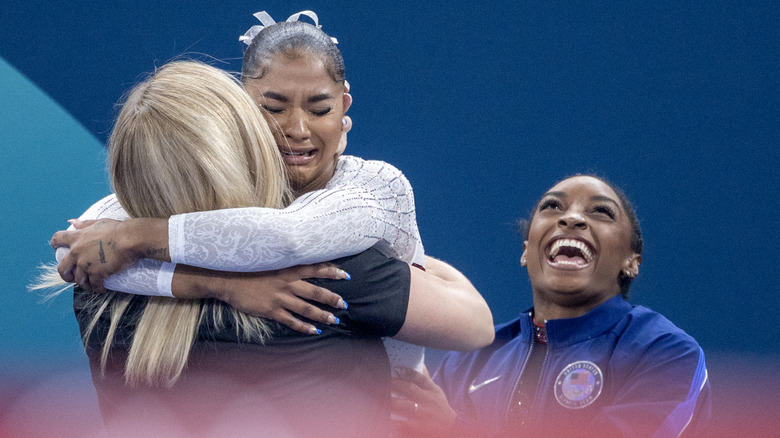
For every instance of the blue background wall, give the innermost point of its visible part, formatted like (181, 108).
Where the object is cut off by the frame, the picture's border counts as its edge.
(482, 107)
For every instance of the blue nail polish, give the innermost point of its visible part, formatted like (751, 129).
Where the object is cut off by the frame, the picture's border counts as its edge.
(346, 306)
(349, 277)
(319, 332)
(338, 321)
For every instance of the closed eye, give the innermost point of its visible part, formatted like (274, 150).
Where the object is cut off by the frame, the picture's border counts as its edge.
(271, 109)
(321, 112)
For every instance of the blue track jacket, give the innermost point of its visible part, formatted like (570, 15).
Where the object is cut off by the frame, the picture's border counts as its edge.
(618, 370)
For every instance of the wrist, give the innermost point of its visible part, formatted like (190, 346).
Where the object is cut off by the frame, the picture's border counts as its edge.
(147, 238)
(196, 283)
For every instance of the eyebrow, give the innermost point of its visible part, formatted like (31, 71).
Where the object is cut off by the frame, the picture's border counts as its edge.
(320, 97)
(282, 98)
(592, 198)
(556, 194)
(275, 96)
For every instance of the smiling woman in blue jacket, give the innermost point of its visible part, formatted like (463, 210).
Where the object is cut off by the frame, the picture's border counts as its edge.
(582, 361)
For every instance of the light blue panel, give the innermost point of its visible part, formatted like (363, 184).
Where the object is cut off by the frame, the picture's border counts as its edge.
(53, 169)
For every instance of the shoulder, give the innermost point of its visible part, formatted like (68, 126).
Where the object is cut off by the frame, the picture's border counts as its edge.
(357, 171)
(377, 293)
(106, 208)
(658, 339)
(374, 261)
(649, 326)
(351, 163)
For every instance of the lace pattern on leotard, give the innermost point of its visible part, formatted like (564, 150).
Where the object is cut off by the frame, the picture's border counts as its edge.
(366, 202)
(145, 277)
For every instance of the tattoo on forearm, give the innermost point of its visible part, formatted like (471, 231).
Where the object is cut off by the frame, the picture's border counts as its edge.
(101, 253)
(151, 252)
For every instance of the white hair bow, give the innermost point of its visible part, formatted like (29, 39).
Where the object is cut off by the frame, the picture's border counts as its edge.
(266, 21)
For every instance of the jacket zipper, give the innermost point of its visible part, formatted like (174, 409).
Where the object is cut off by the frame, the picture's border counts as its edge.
(520, 376)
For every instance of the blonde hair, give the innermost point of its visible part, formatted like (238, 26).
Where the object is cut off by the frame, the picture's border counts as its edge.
(189, 138)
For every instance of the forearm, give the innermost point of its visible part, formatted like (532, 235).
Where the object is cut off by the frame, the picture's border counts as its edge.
(141, 237)
(323, 226)
(144, 238)
(195, 283)
(366, 203)
(145, 277)
(142, 277)
(259, 239)
(281, 295)
(446, 311)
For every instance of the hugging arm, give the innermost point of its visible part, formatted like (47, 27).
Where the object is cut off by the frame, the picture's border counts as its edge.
(278, 295)
(366, 203)
(445, 311)
(282, 295)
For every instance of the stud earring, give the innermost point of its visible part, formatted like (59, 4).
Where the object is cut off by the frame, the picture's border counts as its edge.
(628, 273)
(344, 121)
(523, 262)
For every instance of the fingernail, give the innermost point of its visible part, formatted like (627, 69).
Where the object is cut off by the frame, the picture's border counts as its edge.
(346, 275)
(74, 221)
(314, 331)
(333, 319)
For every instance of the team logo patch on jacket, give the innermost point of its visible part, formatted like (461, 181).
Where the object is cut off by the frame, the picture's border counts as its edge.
(579, 384)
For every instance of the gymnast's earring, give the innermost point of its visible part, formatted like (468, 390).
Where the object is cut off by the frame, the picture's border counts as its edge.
(628, 273)
(346, 124)
(523, 261)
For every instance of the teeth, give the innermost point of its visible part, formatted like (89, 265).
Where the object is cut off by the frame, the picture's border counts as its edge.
(307, 154)
(558, 244)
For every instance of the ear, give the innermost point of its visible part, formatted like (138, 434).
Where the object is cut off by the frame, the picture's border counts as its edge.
(347, 102)
(523, 258)
(347, 125)
(632, 264)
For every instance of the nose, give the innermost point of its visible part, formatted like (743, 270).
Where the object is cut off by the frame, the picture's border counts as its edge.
(573, 220)
(295, 127)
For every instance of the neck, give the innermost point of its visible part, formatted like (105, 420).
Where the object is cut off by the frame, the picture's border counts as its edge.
(546, 309)
(300, 189)
(318, 182)
(544, 312)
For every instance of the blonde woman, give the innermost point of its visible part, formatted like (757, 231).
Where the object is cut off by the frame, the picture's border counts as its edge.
(189, 139)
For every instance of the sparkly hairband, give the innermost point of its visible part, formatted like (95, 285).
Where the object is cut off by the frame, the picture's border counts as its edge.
(266, 21)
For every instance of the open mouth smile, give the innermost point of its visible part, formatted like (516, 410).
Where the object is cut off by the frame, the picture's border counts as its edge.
(570, 254)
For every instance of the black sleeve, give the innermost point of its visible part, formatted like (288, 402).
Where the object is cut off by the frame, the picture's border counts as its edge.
(377, 294)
